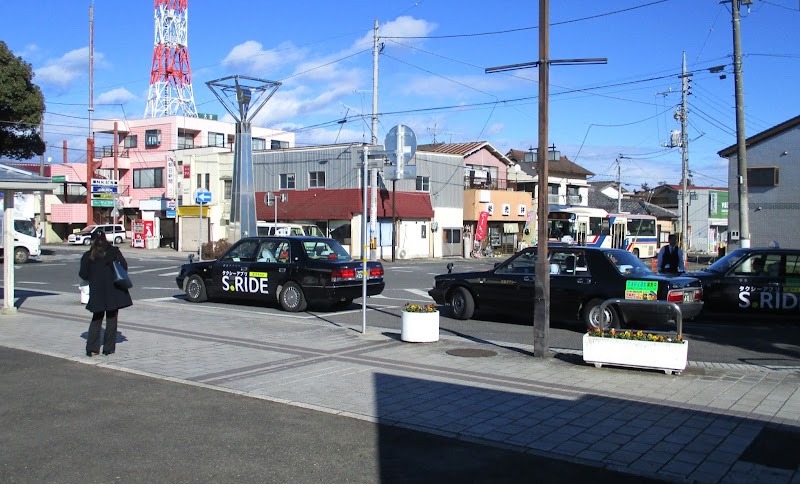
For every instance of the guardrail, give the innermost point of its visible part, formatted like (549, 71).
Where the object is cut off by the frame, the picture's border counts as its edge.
(667, 306)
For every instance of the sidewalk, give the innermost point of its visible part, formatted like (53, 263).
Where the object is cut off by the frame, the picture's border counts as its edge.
(708, 425)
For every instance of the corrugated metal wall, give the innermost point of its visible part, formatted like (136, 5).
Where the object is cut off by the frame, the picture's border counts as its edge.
(340, 164)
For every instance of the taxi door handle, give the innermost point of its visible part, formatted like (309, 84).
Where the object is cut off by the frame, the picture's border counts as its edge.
(282, 269)
(529, 278)
(584, 280)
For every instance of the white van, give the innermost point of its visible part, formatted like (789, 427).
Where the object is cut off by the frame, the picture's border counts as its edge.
(271, 228)
(114, 233)
(26, 243)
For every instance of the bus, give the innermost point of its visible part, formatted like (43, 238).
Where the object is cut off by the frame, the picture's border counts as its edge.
(641, 237)
(594, 227)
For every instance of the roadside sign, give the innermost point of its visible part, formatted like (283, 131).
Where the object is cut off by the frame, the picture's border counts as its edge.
(203, 196)
(102, 203)
(170, 213)
(104, 182)
(172, 205)
(102, 196)
(58, 178)
(104, 189)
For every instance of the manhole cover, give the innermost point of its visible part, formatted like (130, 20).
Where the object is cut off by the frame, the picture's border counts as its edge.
(471, 353)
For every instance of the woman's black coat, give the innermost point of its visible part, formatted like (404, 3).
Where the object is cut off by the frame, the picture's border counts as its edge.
(103, 294)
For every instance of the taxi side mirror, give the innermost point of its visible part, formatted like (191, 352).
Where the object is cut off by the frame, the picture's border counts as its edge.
(191, 258)
(449, 267)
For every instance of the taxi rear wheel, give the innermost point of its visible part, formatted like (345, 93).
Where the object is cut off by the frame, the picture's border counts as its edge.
(196, 289)
(463, 304)
(592, 317)
(292, 298)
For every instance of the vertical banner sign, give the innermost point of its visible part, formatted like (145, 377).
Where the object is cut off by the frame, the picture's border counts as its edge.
(483, 221)
(187, 172)
(170, 178)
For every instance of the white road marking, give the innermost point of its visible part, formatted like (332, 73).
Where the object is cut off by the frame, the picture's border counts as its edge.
(169, 274)
(160, 288)
(31, 282)
(418, 292)
(150, 270)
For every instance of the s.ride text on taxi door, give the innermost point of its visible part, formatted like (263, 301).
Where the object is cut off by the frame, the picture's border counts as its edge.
(240, 281)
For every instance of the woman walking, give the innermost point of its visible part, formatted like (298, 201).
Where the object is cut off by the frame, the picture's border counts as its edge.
(97, 266)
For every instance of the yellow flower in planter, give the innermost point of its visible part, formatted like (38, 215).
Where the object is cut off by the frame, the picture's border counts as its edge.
(637, 336)
(419, 308)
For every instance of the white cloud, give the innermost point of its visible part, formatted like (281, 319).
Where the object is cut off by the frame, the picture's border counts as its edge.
(71, 66)
(400, 27)
(251, 57)
(493, 129)
(115, 96)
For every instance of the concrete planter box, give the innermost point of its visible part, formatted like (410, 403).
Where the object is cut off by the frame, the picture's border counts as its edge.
(419, 327)
(669, 357)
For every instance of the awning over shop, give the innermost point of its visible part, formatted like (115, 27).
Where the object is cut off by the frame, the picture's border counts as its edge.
(511, 228)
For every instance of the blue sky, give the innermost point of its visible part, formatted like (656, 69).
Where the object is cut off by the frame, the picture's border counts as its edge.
(432, 71)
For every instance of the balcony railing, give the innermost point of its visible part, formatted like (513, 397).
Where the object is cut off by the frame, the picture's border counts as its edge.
(484, 184)
(108, 152)
(554, 199)
(574, 199)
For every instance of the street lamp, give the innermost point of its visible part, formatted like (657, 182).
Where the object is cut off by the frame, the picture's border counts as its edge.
(517, 168)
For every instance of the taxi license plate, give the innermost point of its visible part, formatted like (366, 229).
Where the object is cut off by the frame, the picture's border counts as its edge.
(359, 274)
(688, 296)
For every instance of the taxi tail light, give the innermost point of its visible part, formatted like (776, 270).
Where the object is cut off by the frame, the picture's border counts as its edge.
(675, 296)
(698, 295)
(375, 272)
(343, 274)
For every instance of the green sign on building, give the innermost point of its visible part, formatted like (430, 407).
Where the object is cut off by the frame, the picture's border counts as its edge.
(212, 117)
(717, 204)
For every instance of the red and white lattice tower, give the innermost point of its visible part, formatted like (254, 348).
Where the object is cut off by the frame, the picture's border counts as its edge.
(171, 77)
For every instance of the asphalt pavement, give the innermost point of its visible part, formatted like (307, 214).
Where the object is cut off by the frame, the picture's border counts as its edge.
(207, 393)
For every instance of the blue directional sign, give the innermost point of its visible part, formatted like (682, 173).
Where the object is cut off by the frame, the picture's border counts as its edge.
(203, 196)
(103, 189)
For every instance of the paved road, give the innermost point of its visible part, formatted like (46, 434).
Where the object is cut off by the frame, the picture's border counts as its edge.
(69, 422)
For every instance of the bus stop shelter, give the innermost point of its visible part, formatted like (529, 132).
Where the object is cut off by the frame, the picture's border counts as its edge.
(13, 181)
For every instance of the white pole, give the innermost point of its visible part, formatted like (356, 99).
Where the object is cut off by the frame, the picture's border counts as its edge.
(364, 246)
(8, 260)
(200, 240)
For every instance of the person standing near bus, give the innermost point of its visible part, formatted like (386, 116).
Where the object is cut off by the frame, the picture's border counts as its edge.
(670, 257)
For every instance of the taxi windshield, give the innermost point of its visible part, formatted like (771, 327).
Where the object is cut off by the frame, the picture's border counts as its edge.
(627, 263)
(325, 249)
(88, 229)
(726, 262)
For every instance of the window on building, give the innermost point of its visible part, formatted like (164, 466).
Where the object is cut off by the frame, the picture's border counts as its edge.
(130, 141)
(216, 139)
(228, 189)
(259, 144)
(185, 140)
(423, 183)
(148, 178)
(316, 179)
(552, 188)
(152, 137)
(767, 176)
(278, 144)
(199, 180)
(207, 185)
(287, 181)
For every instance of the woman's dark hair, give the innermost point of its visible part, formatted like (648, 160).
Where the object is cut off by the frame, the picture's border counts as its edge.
(99, 246)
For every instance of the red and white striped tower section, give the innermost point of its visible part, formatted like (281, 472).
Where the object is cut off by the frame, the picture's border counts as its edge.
(171, 77)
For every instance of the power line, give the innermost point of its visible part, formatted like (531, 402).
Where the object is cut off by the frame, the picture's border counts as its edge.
(563, 22)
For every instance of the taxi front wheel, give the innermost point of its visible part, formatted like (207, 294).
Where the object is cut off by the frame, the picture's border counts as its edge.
(292, 298)
(196, 289)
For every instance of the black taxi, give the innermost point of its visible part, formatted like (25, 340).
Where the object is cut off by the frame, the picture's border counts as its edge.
(292, 271)
(581, 279)
(763, 281)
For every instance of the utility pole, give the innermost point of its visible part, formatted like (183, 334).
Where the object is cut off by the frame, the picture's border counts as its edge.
(684, 158)
(373, 209)
(741, 140)
(541, 311)
(42, 228)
